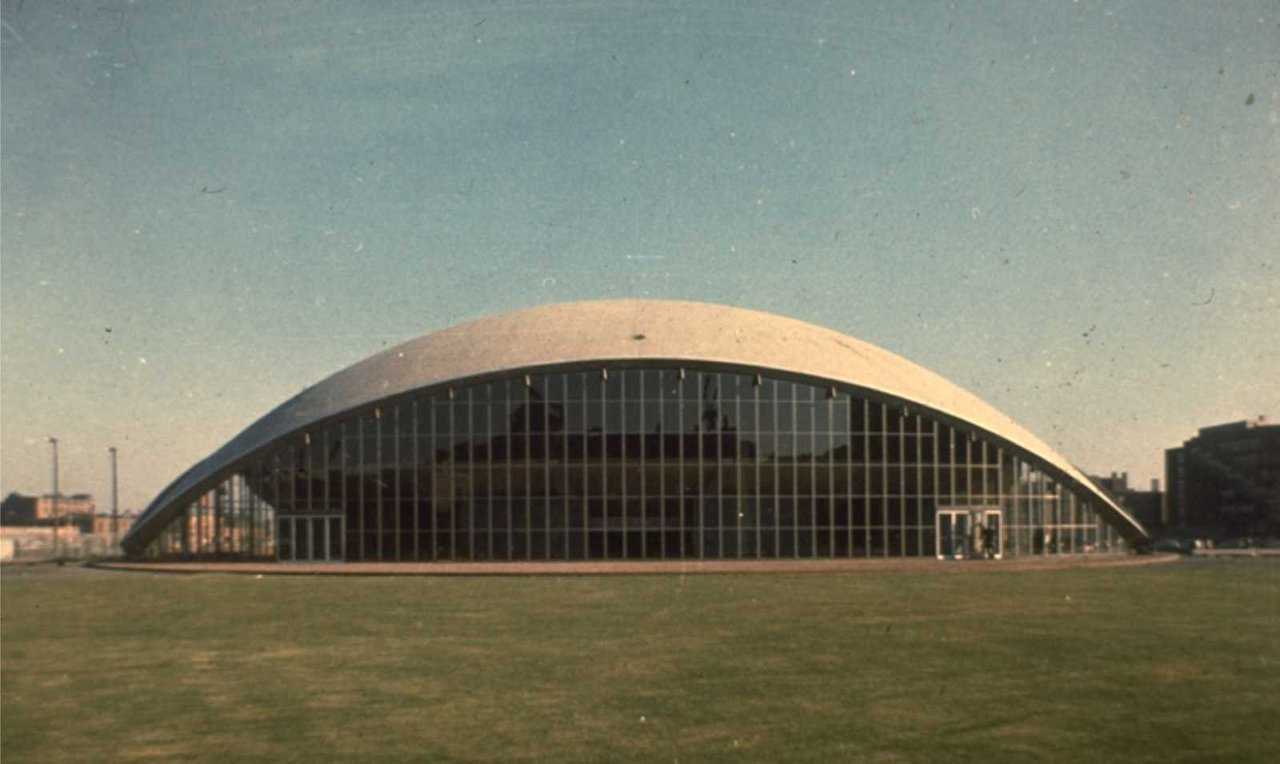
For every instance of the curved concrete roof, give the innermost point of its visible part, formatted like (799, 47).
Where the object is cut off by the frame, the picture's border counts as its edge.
(618, 330)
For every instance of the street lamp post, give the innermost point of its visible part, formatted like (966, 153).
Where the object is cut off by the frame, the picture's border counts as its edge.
(115, 509)
(54, 442)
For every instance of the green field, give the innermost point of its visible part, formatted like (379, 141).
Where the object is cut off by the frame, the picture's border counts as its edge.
(1163, 662)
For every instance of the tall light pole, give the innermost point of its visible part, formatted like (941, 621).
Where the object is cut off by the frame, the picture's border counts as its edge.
(54, 442)
(115, 508)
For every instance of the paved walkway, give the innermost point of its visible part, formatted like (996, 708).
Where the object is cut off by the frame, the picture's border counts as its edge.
(639, 567)
(1250, 552)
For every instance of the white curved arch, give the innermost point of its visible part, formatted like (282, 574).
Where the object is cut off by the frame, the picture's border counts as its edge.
(606, 331)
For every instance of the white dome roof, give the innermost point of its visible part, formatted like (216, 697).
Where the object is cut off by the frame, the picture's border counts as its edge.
(604, 331)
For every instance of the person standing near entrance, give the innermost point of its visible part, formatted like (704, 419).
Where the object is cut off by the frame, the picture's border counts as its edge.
(988, 541)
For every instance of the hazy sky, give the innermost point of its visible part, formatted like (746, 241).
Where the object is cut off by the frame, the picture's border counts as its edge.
(1070, 208)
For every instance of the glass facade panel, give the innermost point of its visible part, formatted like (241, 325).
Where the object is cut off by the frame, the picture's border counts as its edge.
(630, 463)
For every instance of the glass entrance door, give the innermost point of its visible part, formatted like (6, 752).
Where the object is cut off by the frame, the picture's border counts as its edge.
(992, 534)
(309, 538)
(968, 533)
(951, 537)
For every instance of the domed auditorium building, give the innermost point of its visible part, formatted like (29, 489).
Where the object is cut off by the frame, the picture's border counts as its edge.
(631, 429)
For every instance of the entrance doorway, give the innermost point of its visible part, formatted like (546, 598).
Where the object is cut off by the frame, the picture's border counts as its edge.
(961, 533)
(310, 538)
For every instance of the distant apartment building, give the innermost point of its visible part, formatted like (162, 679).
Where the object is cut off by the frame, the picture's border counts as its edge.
(1226, 479)
(1145, 506)
(76, 505)
(75, 510)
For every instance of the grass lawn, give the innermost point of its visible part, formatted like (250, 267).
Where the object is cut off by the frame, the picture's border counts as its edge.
(1165, 662)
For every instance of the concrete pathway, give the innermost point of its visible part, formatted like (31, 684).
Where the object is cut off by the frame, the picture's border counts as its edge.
(641, 567)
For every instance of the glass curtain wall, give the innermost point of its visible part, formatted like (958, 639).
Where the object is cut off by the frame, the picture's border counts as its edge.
(659, 463)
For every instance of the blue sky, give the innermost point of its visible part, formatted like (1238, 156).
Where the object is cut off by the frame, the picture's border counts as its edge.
(1069, 208)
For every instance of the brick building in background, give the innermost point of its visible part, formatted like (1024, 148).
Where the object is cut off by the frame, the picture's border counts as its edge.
(74, 510)
(1146, 506)
(1226, 480)
(73, 506)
